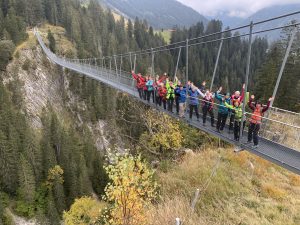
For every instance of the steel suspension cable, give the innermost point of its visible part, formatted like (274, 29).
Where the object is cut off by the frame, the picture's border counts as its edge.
(214, 34)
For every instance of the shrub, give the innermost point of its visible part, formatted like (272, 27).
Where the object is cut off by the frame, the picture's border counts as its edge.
(24, 209)
(26, 65)
(34, 66)
(17, 54)
(7, 218)
(273, 192)
(131, 191)
(294, 180)
(7, 49)
(84, 211)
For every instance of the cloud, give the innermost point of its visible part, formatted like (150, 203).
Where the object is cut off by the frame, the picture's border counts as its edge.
(234, 8)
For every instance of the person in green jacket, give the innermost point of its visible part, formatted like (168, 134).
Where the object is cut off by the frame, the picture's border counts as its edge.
(171, 93)
(238, 113)
(223, 110)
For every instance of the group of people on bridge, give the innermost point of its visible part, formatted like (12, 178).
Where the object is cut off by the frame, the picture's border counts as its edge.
(164, 92)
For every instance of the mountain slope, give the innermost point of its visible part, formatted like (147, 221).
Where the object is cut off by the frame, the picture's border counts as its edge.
(270, 12)
(159, 13)
(227, 21)
(262, 14)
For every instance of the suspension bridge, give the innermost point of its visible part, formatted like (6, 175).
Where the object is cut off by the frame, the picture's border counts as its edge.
(279, 137)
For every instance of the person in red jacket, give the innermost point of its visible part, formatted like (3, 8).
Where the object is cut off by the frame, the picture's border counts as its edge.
(236, 97)
(157, 83)
(162, 92)
(140, 83)
(145, 88)
(258, 111)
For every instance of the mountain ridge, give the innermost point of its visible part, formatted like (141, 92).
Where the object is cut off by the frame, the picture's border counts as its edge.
(270, 12)
(261, 14)
(161, 14)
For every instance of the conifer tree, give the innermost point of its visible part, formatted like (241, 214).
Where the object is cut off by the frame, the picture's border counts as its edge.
(27, 184)
(52, 43)
(6, 51)
(8, 165)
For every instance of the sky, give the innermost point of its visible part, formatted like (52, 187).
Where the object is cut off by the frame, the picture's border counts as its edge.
(234, 8)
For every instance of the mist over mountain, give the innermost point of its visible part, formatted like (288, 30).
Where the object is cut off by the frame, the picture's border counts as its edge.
(227, 21)
(273, 12)
(263, 14)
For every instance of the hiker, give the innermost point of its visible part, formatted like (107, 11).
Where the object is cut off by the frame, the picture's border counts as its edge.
(238, 113)
(194, 93)
(207, 107)
(258, 111)
(145, 88)
(162, 92)
(203, 87)
(157, 84)
(177, 96)
(223, 111)
(170, 93)
(181, 92)
(140, 82)
(236, 97)
(150, 89)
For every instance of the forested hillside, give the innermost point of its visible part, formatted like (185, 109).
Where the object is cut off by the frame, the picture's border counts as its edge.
(44, 169)
(266, 76)
(232, 65)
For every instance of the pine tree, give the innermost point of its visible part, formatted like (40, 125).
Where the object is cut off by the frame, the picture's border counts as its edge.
(99, 178)
(52, 43)
(48, 152)
(1, 23)
(6, 51)
(8, 165)
(266, 77)
(15, 26)
(51, 211)
(27, 183)
(51, 11)
(85, 185)
(130, 29)
(59, 197)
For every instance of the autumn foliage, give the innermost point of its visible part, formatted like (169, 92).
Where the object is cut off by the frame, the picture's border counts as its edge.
(163, 133)
(85, 211)
(130, 191)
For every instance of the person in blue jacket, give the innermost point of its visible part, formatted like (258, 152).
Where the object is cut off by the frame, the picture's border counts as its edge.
(150, 89)
(177, 96)
(181, 93)
(223, 110)
(194, 94)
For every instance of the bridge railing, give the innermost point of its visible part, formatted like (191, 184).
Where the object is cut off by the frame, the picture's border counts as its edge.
(275, 127)
(283, 132)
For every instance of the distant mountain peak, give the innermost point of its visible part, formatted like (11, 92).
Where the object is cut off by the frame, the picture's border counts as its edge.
(270, 12)
(159, 13)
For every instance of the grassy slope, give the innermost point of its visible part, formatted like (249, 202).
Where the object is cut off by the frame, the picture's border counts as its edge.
(237, 194)
(63, 45)
(166, 34)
